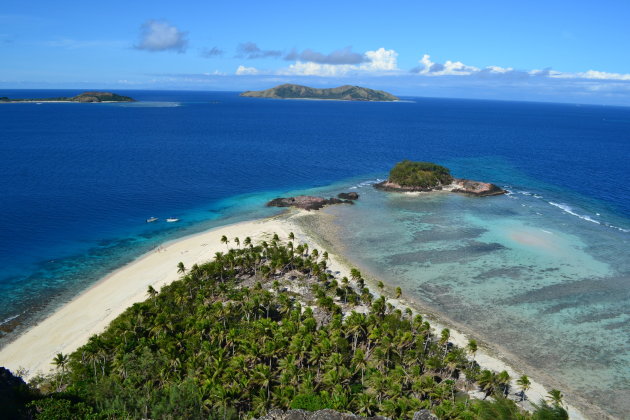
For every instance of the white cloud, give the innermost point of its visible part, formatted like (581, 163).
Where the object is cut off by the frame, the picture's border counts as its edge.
(602, 75)
(376, 62)
(457, 68)
(159, 35)
(380, 60)
(449, 68)
(214, 73)
(497, 69)
(315, 69)
(246, 71)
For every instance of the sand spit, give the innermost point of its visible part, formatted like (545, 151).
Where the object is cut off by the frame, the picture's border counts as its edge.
(90, 312)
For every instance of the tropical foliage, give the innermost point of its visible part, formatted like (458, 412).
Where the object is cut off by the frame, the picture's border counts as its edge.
(268, 326)
(419, 174)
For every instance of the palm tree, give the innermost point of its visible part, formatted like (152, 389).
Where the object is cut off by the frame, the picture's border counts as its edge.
(291, 236)
(525, 384)
(237, 242)
(381, 285)
(398, 292)
(444, 337)
(555, 397)
(487, 381)
(503, 379)
(151, 292)
(225, 240)
(60, 360)
(472, 348)
(180, 268)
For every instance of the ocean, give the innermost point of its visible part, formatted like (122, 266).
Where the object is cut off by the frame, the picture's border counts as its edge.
(544, 270)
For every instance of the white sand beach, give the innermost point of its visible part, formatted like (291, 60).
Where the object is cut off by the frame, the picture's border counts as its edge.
(90, 312)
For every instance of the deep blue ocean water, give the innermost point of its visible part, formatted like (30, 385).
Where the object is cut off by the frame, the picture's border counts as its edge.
(78, 181)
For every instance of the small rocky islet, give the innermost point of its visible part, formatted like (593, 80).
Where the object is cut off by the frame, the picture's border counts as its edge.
(409, 176)
(309, 202)
(405, 176)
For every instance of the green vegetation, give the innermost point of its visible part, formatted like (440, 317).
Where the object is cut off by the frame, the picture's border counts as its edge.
(232, 340)
(419, 174)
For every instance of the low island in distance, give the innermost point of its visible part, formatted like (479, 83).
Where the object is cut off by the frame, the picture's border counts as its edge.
(85, 97)
(409, 176)
(341, 93)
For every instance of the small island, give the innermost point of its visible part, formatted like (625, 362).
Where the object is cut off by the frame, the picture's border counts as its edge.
(341, 93)
(309, 202)
(85, 97)
(408, 176)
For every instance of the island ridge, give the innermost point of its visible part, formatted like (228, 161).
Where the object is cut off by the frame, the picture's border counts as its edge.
(85, 97)
(341, 93)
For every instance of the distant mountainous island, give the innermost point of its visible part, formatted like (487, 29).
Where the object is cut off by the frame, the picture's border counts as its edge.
(83, 97)
(341, 93)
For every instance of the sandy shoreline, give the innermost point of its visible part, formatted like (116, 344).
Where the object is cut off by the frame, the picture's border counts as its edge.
(89, 313)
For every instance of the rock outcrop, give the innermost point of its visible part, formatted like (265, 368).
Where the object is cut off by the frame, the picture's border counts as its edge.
(481, 189)
(459, 185)
(307, 202)
(348, 196)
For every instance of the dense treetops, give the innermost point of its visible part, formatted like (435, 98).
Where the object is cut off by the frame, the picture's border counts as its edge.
(233, 339)
(344, 93)
(419, 174)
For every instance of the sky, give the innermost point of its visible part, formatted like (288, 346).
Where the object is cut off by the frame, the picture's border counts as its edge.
(560, 51)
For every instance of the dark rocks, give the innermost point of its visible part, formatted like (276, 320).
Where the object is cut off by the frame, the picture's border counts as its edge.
(348, 196)
(314, 415)
(309, 202)
(392, 186)
(481, 189)
(423, 415)
(459, 185)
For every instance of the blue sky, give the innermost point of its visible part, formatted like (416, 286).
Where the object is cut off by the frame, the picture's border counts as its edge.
(565, 51)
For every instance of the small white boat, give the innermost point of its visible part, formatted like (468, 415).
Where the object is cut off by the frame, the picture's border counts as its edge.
(151, 219)
(172, 219)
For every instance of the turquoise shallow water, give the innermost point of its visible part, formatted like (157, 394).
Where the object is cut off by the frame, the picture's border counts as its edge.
(549, 285)
(78, 182)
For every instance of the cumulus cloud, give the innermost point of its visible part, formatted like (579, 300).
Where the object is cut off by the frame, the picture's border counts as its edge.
(449, 68)
(341, 56)
(457, 68)
(381, 60)
(246, 71)
(250, 51)
(159, 35)
(376, 62)
(211, 52)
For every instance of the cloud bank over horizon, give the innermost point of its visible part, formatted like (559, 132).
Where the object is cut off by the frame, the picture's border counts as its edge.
(250, 65)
